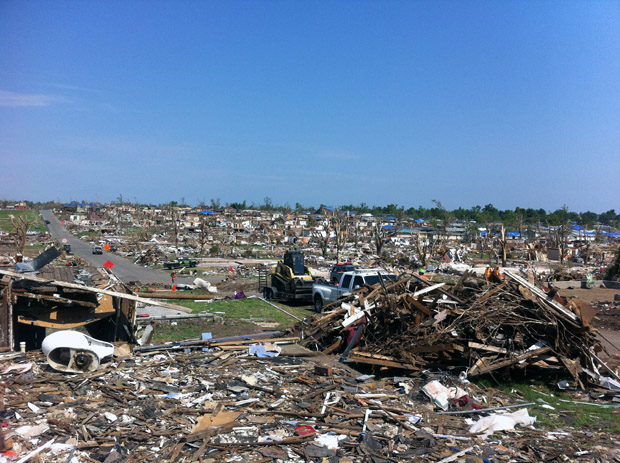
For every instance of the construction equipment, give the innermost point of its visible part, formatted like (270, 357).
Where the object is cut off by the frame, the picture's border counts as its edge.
(290, 279)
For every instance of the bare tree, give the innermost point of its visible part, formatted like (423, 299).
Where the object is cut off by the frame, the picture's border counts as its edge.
(486, 239)
(560, 236)
(341, 225)
(174, 227)
(561, 230)
(519, 223)
(322, 237)
(203, 232)
(424, 247)
(446, 217)
(380, 236)
(21, 225)
(500, 241)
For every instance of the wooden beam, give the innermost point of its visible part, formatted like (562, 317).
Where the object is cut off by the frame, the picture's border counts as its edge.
(480, 368)
(441, 290)
(544, 296)
(254, 341)
(476, 345)
(58, 300)
(176, 295)
(380, 362)
(434, 348)
(418, 305)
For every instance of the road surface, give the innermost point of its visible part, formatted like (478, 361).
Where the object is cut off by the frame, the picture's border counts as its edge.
(125, 270)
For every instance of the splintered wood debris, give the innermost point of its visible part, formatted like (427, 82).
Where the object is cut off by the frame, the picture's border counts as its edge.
(169, 405)
(475, 327)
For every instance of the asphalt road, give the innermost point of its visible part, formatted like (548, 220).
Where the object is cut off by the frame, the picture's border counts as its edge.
(125, 270)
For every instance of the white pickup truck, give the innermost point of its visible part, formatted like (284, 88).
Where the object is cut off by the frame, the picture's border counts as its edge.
(323, 293)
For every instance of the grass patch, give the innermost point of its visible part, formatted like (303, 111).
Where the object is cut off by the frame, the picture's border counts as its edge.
(567, 413)
(36, 223)
(247, 309)
(36, 246)
(192, 329)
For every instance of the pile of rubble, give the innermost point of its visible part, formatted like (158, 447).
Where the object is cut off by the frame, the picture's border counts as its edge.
(149, 257)
(476, 327)
(221, 400)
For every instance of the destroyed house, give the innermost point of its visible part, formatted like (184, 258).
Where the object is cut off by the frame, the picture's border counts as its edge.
(32, 305)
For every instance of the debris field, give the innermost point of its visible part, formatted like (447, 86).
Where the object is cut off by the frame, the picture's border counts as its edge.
(216, 400)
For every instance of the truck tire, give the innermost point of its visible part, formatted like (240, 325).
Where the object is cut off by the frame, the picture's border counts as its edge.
(318, 303)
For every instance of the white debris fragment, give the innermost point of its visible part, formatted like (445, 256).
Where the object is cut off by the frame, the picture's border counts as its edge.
(33, 407)
(329, 440)
(502, 422)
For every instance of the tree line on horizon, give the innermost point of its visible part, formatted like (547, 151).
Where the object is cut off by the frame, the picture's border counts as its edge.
(480, 214)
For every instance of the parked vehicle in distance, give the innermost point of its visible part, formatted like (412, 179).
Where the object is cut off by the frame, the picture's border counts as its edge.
(337, 270)
(323, 293)
(181, 262)
(97, 250)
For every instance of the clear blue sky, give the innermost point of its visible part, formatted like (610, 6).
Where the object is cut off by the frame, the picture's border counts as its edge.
(510, 103)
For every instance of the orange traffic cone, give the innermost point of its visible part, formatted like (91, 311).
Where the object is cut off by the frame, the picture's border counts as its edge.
(174, 287)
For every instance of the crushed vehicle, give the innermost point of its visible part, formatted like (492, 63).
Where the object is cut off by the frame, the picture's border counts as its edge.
(324, 293)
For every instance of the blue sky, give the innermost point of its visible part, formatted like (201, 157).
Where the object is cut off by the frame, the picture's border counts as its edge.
(469, 103)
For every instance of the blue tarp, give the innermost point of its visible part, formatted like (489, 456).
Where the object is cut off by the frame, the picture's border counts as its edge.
(207, 212)
(78, 204)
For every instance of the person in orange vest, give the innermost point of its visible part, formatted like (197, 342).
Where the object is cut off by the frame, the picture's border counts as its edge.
(488, 272)
(497, 275)
(173, 276)
(422, 274)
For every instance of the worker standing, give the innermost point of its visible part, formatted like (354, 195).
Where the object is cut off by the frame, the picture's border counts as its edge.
(497, 276)
(488, 273)
(173, 276)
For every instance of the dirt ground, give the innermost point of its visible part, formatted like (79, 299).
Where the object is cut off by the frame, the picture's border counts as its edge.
(233, 284)
(607, 321)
